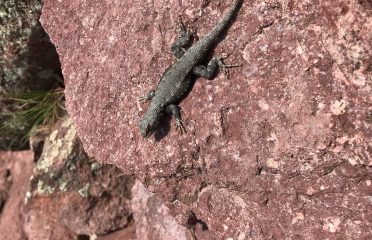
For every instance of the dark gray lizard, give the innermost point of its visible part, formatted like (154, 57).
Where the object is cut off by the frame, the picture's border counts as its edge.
(177, 79)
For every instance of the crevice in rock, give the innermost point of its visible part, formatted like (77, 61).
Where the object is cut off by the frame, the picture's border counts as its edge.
(193, 221)
(5, 184)
(262, 28)
(83, 237)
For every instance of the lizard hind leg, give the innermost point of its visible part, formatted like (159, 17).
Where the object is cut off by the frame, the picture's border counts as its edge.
(176, 113)
(178, 47)
(208, 72)
(211, 70)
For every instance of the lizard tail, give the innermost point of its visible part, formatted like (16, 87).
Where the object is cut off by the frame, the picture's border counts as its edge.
(224, 22)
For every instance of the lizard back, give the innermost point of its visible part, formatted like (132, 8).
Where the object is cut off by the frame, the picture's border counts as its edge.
(175, 80)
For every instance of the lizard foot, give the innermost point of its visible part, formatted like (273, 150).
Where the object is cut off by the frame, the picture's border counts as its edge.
(180, 127)
(224, 67)
(181, 25)
(179, 46)
(143, 99)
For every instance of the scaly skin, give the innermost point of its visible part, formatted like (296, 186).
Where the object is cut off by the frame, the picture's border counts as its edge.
(176, 81)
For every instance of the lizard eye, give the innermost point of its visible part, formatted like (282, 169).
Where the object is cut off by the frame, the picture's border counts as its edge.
(148, 131)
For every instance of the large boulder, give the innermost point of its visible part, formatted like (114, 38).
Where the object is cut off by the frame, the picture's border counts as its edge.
(153, 218)
(15, 172)
(72, 195)
(280, 150)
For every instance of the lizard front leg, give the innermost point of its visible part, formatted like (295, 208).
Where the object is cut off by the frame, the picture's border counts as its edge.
(148, 97)
(176, 113)
(178, 47)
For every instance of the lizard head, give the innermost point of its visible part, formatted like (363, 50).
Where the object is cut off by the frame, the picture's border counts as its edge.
(147, 126)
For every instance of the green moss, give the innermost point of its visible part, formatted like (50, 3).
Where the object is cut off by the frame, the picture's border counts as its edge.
(84, 191)
(95, 166)
(43, 188)
(63, 186)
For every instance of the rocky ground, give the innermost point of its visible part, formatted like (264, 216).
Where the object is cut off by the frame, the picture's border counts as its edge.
(280, 149)
(28, 62)
(15, 172)
(28, 59)
(66, 194)
(71, 196)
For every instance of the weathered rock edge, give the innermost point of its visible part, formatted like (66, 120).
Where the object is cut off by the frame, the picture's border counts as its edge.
(284, 142)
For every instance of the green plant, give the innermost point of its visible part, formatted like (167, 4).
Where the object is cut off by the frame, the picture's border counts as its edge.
(32, 110)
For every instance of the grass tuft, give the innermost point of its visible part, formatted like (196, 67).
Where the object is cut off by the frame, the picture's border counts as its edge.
(32, 110)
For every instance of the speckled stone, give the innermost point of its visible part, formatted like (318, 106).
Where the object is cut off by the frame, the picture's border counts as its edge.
(153, 218)
(72, 195)
(15, 172)
(28, 60)
(260, 158)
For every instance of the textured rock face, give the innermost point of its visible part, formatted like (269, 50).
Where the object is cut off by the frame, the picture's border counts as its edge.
(28, 60)
(280, 150)
(152, 217)
(72, 195)
(15, 172)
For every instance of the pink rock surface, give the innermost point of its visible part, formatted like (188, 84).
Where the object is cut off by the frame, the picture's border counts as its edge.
(72, 195)
(280, 150)
(127, 233)
(153, 218)
(15, 172)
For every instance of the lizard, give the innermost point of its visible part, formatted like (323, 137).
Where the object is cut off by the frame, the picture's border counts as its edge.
(177, 79)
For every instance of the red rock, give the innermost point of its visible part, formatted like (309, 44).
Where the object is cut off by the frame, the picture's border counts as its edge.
(300, 60)
(127, 233)
(72, 195)
(153, 218)
(15, 172)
